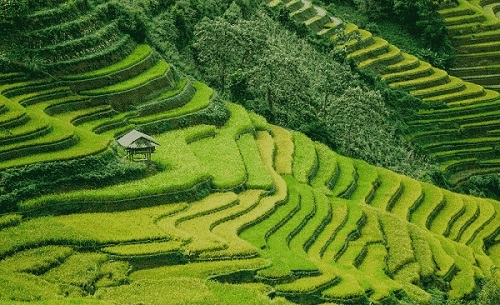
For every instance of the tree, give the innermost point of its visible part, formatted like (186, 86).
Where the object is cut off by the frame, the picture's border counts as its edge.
(223, 47)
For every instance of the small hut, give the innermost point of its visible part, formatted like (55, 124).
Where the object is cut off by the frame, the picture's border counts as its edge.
(138, 143)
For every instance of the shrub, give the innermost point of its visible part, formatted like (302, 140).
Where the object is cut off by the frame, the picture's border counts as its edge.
(42, 178)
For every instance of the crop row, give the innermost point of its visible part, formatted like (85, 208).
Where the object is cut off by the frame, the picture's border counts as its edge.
(421, 79)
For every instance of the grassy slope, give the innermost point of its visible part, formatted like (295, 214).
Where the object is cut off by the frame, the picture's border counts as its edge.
(280, 214)
(404, 71)
(296, 235)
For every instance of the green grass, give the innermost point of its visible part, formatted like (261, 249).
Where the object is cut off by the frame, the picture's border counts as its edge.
(173, 98)
(199, 132)
(433, 199)
(486, 98)
(251, 203)
(59, 133)
(95, 125)
(258, 177)
(14, 111)
(412, 194)
(350, 226)
(369, 234)
(201, 270)
(434, 79)
(374, 266)
(140, 53)
(156, 71)
(60, 105)
(316, 223)
(29, 129)
(259, 122)
(31, 98)
(304, 158)
(78, 271)
(348, 287)
(471, 213)
(470, 90)
(423, 69)
(258, 234)
(462, 283)
(24, 287)
(186, 291)
(267, 148)
(36, 260)
(409, 62)
(197, 225)
(389, 190)
(279, 242)
(340, 214)
(262, 223)
(455, 85)
(182, 170)
(226, 167)
(88, 144)
(309, 284)
(487, 213)
(200, 101)
(179, 86)
(144, 248)
(365, 184)
(346, 178)
(87, 229)
(65, 301)
(210, 204)
(399, 244)
(327, 169)
(367, 52)
(284, 150)
(10, 220)
(393, 54)
(76, 115)
(453, 208)
(423, 251)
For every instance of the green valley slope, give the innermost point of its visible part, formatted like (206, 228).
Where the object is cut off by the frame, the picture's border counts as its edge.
(461, 137)
(238, 211)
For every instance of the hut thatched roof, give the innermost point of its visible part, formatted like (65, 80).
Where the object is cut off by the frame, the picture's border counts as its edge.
(137, 139)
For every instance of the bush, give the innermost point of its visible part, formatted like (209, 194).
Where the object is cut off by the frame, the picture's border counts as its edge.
(33, 180)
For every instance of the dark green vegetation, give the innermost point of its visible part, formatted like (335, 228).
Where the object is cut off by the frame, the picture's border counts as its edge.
(233, 209)
(413, 26)
(458, 128)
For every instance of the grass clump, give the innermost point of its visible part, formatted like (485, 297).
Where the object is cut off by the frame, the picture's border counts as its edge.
(140, 53)
(284, 150)
(156, 71)
(200, 100)
(78, 274)
(10, 220)
(304, 158)
(181, 170)
(258, 175)
(36, 260)
(399, 243)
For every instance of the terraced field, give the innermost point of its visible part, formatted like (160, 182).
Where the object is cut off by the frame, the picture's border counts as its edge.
(474, 27)
(462, 136)
(327, 229)
(239, 210)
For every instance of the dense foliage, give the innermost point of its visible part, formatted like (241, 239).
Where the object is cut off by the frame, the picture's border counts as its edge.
(295, 83)
(269, 64)
(428, 37)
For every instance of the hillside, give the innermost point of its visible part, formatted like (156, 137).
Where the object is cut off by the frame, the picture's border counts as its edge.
(231, 209)
(461, 136)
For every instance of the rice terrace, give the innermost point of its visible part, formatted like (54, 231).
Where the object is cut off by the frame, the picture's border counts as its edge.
(158, 152)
